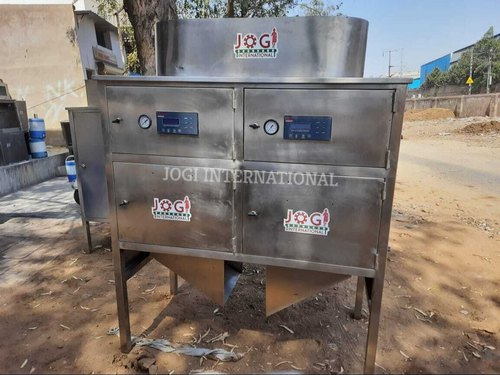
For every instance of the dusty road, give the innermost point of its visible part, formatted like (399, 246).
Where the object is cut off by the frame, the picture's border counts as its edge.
(441, 308)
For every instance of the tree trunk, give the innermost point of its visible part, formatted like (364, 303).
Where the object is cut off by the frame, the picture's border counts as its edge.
(143, 15)
(230, 9)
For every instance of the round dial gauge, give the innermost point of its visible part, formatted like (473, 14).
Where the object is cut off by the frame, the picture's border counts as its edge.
(144, 121)
(271, 127)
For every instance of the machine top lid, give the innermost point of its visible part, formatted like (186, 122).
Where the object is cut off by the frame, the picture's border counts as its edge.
(302, 47)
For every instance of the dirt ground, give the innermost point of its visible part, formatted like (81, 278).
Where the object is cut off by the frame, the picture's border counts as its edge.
(441, 306)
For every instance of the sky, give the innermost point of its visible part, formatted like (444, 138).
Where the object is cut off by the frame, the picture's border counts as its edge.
(424, 29)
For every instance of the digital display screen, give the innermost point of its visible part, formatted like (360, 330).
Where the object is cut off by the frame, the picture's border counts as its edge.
(170, 121)
(301, 127)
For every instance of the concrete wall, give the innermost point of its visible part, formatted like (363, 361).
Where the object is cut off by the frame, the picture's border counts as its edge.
(20, 175)
(462, 106)
(449, 90)
(40, 61)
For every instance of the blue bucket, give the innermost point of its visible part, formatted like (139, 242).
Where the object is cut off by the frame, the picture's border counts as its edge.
(70, 168)
(37, 128)
(38, 148)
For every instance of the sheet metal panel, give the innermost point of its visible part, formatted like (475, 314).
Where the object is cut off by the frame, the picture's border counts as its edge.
(354, 208)
(300, 47)
(211, 207)
(88, 145)
(215, 115)
(361, 126)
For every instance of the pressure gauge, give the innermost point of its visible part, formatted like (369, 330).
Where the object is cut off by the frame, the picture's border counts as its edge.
(144, 121)
(271, 127)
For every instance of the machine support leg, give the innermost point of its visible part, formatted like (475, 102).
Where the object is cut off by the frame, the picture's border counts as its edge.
(359, 298)
(174, 282)
(122, 301)
(373, 325)
(86, 233)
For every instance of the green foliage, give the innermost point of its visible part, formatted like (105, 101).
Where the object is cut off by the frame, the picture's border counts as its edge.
(318, 8)
(436, 78)
(459, 72)
(233, 8)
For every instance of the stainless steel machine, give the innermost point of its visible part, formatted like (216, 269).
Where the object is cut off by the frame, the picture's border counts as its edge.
(261, 143)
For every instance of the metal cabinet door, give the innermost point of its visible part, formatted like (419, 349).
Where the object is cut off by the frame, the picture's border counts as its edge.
(335, 224)
(215, 117)
(88, 145)
(361, 125)
(189, 214)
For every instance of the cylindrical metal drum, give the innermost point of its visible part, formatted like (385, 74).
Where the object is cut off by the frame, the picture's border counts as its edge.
(38, 149)
(37, 128)
(320, 47)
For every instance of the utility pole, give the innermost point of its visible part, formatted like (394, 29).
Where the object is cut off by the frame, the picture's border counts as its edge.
(488, 79)
(470, 69)
(401, 66)
(389, 66)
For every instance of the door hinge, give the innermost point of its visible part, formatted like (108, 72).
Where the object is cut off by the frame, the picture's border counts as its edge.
(384, 190)
(388, 159)
(234, 99)
(234, 184)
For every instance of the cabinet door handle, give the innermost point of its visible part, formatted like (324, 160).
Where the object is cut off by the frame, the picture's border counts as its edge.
(254, 126)
(124, 203)
(117, 120)
(253, 213)
(83, 165)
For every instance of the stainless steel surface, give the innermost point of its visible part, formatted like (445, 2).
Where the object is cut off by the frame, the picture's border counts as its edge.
(214, 105)
(215, 278)
(88, 148)
(89, 157)
(286, 286)
(361, 126)
(212, 205)
(354, 206)
(237, 221)
(305, 47)
(197, 81)
(339, 228)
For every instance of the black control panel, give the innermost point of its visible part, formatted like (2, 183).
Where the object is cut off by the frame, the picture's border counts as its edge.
(308, 128)
(178, 123)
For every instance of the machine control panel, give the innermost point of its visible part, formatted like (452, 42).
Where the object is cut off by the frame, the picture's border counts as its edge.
(308, 128)
(178, 123)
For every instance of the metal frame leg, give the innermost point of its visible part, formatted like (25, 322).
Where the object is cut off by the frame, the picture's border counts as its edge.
(358, 306)
(375, 296)
(122, 301)
(86, 233)
(174, 282)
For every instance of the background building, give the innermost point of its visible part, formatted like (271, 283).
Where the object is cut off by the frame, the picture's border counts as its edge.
(49, 48)
(443, 63)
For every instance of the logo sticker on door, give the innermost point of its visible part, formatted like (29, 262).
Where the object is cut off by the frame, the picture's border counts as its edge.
(251, 46)
(301, 222)
(164, 209)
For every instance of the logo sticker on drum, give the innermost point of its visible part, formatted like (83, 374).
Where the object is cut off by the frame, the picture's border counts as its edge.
(251, 46)
(164, 209)
(301, 222)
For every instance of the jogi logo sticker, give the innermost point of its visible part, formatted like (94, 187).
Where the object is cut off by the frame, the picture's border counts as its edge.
(251, 46)
(164, 209)
(301, 222)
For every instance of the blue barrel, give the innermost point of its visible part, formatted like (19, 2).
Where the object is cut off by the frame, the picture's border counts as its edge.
(38, 149)
(37, 128)
(70, 168)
